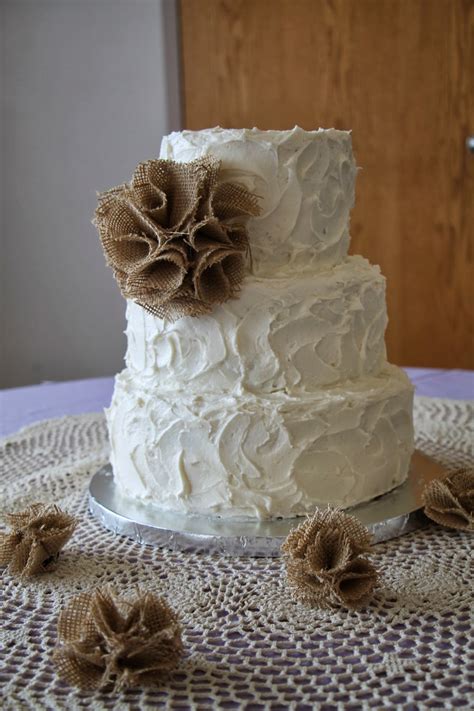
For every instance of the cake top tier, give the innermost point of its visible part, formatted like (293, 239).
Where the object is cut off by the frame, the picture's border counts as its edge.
(305, 181)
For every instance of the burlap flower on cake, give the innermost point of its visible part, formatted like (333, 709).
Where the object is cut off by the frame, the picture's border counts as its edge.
(176, 237)
(106, 639)
(37, 536)
(450, 502)
(324, 564)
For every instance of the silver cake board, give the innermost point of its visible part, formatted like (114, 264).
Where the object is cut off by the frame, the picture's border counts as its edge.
(387, 516)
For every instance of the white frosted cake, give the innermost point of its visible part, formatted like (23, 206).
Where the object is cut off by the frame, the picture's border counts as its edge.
(280, 399)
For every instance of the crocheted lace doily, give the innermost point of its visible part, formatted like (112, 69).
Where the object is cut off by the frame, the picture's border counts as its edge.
(248, 645)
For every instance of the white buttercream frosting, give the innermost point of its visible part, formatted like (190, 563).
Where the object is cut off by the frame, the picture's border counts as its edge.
(281, 399)
(251, 456)
(305, 180)
(291, 333)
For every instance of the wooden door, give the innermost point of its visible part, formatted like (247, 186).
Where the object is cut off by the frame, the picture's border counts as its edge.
(400, 74)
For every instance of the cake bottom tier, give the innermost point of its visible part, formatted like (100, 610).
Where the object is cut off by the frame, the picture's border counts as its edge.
(262, 457)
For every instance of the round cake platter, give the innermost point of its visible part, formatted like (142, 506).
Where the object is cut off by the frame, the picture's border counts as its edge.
(387, 516)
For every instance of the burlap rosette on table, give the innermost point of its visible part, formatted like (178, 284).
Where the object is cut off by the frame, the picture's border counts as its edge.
(324, 561)
(35, 539)
(450, 502)
(112, 641)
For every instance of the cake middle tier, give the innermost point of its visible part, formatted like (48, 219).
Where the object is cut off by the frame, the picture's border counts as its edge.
(295, 334)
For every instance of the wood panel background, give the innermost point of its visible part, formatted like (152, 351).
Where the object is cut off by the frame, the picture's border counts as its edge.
(400, 74)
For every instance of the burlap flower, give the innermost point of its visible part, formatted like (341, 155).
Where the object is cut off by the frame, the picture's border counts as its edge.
(175, 236)
(36, 538)
(105, 639)
(450, 502)
(323, 562)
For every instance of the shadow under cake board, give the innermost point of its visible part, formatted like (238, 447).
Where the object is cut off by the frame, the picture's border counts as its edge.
(387, 516)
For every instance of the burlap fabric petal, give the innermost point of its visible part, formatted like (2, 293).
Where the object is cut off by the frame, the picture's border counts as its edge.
(37, 536)
(451, 502)
(323, 562)
(106, 640)
(176, 236)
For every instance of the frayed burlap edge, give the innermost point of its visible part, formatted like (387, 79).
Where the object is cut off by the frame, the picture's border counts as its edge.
(175, 236)
(109, 640)
(38, 534)
(324, 567)
(450, 501)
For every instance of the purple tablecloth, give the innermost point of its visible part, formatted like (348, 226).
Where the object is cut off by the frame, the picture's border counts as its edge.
(23, 406)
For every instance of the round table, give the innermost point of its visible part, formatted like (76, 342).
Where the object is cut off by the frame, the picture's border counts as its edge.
(248, 644)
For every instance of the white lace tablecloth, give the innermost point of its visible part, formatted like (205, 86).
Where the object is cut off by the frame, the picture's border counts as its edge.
(248, 645)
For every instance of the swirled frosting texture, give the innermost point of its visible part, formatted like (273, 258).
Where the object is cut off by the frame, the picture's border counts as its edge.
(249, 456)
(305, 180)
(291, 333)
(280, 400)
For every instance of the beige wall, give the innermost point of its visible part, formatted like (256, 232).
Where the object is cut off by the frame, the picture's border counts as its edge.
(89, 88)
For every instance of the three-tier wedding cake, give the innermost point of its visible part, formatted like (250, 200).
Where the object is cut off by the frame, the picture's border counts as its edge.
(278, 399)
